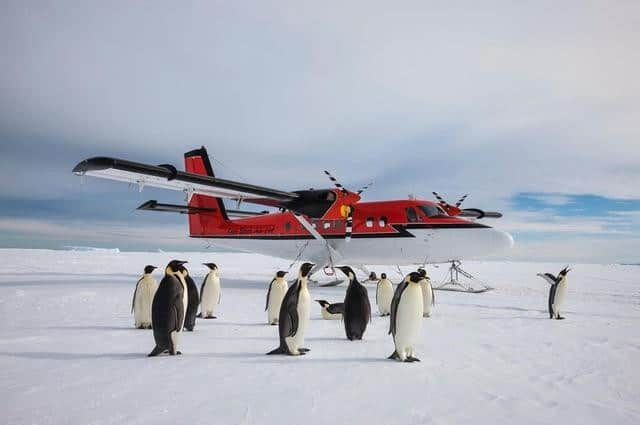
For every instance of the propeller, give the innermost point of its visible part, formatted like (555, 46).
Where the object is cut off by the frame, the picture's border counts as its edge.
(455, 210)
(349, 208)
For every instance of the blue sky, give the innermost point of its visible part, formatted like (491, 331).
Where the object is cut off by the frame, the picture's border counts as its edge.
(533, 113)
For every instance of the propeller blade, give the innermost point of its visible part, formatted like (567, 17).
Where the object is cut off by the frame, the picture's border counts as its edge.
(365, 187)
(439, 198)
(349, 226)
(461, 200)
(335, 182)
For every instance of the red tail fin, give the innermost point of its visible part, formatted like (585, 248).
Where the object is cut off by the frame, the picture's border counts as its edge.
(203, 223)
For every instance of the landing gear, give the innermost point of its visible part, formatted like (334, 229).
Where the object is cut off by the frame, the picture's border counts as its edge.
(454, 284)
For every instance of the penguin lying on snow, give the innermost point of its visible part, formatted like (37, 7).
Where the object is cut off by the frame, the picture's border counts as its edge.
(275, 294)
(557, 292)
(384, 295)
(143, 297)
(210, 292)
(406, 318)
(331, 311)
(357, 310)
(294, 315)
(168, 310)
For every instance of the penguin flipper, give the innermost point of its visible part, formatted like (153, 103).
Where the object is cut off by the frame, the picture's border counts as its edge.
(204, 283)
(269, 293)
(337, 308)
(551, 279)
(394, 305)
(133, 301)
(552, 297)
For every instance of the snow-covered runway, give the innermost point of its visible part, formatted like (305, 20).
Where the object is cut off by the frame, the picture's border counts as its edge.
(69, 353)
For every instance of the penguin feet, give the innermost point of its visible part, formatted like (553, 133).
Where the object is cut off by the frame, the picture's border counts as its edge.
(394, 356)
(412, 359)
(559, 318)
(303, 350)
(211, 317)
(157, 350)
(199, 315)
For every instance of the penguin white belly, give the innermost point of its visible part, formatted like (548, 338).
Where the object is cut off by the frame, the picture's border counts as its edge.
(210, 295)
(278, 291)
(304, 309)
(175, 335)
(561, 292)
(385, 295)
(142, 304)
(427, 298)
(330, 316)
(408, 321)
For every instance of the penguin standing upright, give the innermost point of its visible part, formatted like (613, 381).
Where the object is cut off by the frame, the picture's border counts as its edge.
(406, 318)
(294, 315)
(428, 297)
(557, 291)
(384, 295)
(357, 310)
(193, 301)
(331, 311)
(168, 310)
(143, 297)
(210, 292)
(275, 293)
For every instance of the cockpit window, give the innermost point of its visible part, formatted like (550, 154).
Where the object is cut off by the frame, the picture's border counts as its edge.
(431, 210)
(412, 216)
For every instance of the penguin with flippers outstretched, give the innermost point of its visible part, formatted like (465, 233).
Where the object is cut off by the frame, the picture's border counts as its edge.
(357, 309)
(275, 294)
(194, 301)
(294, 315)
(168, 310)
(143, 298)
(406, 318)
(557, 291)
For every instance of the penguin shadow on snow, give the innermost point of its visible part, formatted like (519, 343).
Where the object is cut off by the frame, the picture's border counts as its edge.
(53, 355)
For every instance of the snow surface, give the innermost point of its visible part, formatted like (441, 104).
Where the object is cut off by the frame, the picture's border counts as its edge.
(69, 353)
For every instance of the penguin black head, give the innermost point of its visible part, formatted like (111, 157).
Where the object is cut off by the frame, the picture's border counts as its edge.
(305, 269)
(280, 273)
(211, 266)
(323, 303)
(175, 266)
(149, 269)
(415, 277)
(383, 275)
(564, 272)
(348, 271)
(422, 272)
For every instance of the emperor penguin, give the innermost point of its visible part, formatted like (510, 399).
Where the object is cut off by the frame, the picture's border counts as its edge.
(357, 310)
(143, 297)
(406, 318)
(275, 294)
(428, 297)
(557, 292)
(193, 300)
(168, 310)
(294, 315)
(331, 311)
(384, 295)
(210, 292)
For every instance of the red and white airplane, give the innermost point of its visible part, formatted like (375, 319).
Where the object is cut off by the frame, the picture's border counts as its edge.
(327, 227)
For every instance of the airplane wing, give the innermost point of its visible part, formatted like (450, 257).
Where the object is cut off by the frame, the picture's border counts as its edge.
(168, 177)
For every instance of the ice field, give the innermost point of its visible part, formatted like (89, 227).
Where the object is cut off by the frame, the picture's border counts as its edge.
(69, 353)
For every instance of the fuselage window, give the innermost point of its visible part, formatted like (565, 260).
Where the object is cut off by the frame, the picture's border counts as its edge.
(412, 216)
(326, 224)
(369, 222)
(431, 210)
(382, 222)
(287, 226)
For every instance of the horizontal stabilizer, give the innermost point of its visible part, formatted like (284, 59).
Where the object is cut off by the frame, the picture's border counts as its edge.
(153, 205)
(167, 177)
